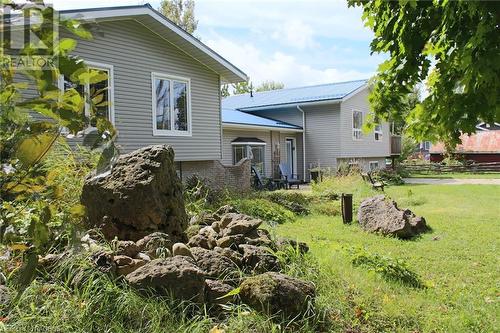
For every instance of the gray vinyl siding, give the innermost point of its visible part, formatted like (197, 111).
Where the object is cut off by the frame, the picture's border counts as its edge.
(367, 146)
(322, 135)
(136, 52)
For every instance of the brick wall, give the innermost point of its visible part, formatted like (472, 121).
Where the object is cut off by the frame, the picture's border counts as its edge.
(233, 177)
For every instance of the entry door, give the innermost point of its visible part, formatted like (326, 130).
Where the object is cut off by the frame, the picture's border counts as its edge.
(291, 155)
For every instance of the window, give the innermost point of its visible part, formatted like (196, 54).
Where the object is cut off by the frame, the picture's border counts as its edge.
(373, 165)
(378, 132)
(101, 93)
(427, 145)
(254, 153)
(357, 123)
(171, 105)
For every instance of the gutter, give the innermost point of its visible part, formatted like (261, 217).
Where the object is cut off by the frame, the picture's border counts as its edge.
(303, 140)
(259, 127)
(288, 105)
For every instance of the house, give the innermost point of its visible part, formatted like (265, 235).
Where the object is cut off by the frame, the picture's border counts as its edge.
(481, 147)
(163, 84)
(305, 127)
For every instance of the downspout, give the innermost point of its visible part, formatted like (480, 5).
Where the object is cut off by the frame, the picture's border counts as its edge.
(303, 140)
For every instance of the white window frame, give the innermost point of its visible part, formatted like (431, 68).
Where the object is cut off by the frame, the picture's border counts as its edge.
(356, 130)
(427, 145)
(294, 152)
(171, 78)
(111, 91)
(379, 132)
(373, 162)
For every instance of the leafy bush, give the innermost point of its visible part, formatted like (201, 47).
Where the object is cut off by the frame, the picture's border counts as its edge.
(265, 210)
(390, 176)
(294, 201)
(389, 268)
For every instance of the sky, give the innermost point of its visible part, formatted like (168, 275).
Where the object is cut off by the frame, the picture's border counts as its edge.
(297, 42)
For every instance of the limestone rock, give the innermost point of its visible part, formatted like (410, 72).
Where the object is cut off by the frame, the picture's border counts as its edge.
(177, 275)
(234, 224)
(126, 248)
(378, 214)
(123, 260)
(140, 195)
(130, 267)
(180, 249)
(277, 294)
(258, 259)
(104, 261)
(215, 264)
(223, 211)
(215, 292)
(155, 244)
(206, 238)
(232, 241)
(234, 256)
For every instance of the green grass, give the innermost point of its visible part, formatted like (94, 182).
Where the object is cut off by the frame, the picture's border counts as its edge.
(445, 281)
(458, 260)
(464, 175)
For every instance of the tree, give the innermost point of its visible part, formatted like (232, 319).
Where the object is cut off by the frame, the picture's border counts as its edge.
(453, 46)
(242, 88)
(27, 188)
(270, 85)
(181, 12)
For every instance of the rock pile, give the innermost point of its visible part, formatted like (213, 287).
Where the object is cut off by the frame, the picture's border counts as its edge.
(140, 195)
(378, 214)
(212, 264)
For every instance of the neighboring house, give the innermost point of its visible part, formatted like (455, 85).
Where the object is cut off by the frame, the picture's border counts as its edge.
(306, 127)
(163, 86)
(481, 147)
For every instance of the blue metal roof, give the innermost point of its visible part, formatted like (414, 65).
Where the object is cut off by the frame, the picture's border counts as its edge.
(231, 116)
(323, 92)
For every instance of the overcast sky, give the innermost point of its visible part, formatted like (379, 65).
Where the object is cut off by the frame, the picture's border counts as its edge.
(297, 42)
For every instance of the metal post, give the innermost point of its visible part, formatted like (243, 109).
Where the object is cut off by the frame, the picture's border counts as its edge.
(346, 208)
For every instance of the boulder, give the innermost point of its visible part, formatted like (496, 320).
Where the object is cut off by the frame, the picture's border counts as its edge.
(259, 237)
(234, 224)
(126, 248)
(155, 244)
(234, 256)
(215, 264)
(215, 292)
(140, 195)
(378, 214)
(202, 219)
(180, 249)
(231, 241)
(258, 259)
(206, 238)
(277, 294)
(123, 260)
(223, 211)
(177, 276)
(144, 256)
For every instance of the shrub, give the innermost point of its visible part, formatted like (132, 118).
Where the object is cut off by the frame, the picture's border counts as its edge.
(200, 196)
(293, 201)
(390, 176)
(265, 210)
(389, 268)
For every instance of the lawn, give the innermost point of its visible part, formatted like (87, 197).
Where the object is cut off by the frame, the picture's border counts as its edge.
(458, 260)
(464, 175)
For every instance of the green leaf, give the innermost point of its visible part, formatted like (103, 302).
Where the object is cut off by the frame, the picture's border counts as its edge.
(66, 45)
(233, 292)
(32, 149)
(78, 211)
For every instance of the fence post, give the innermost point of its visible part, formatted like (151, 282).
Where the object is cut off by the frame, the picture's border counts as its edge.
(346, 203)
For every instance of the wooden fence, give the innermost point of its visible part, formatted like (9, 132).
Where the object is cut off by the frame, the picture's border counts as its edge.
(439, 168)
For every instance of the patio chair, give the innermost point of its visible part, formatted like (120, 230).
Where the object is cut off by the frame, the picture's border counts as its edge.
(261, 183)
(375, 184)
(289, 178)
